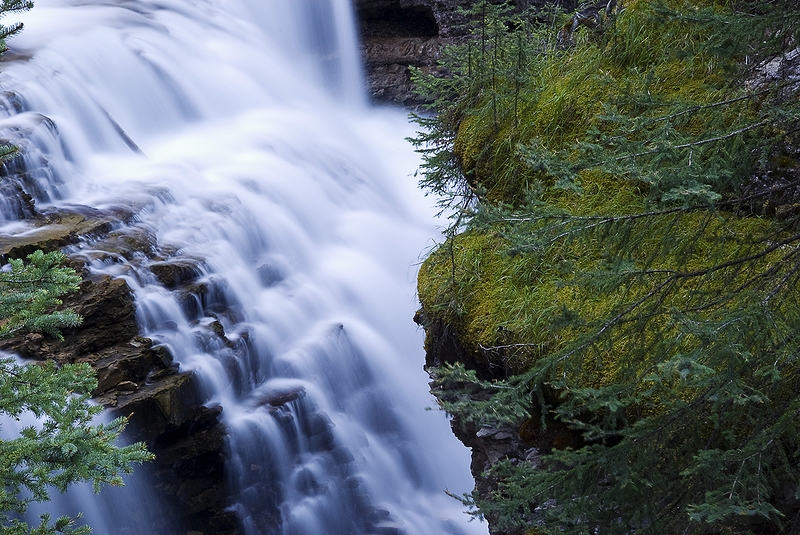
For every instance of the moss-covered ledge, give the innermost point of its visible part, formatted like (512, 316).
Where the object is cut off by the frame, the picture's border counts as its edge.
(621, 287)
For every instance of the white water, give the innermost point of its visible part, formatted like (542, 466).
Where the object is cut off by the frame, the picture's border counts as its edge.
(239, 132)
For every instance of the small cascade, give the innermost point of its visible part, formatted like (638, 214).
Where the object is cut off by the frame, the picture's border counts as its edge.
(235, 135)
(37, 169)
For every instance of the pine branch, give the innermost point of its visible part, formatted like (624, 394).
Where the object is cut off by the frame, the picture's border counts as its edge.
(692, 144)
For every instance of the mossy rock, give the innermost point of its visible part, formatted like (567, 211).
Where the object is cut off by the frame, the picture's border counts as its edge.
(563, 96)
(531, 304)
(658, 329)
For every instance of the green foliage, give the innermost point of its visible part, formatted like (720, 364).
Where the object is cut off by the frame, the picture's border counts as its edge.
(656, 97)
(28, 293)
(682, 384)
(64, 446)
(614, 269)
(11, 6)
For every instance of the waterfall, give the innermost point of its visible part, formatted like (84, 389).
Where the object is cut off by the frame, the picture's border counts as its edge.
(237, 133)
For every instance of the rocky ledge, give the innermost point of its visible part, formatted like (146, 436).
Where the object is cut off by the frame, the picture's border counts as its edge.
(136, 377)
(523, 441)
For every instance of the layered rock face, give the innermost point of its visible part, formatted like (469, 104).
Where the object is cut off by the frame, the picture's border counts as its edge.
(398, 34)
(136, 377)
(523, 442)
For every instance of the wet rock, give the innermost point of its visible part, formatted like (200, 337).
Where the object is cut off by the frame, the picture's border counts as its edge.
(131, 242)
(51, 232)
(197, 436)
(177, 271)
(217, 328)
(136, 377)
(158, 407)
(15, 202)
(343, 456)
(127, 365)
(269, 275)
(317, 429)
(188, 441)
(189, 465)
(127, 386)
(32, 161)
(109, 318)
(279, 398)
(490, 445)
(210, 297)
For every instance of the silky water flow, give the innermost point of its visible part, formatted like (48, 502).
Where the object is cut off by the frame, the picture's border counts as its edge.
(238, 133)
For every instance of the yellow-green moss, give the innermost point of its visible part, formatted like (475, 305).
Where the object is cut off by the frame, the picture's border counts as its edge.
(564, 94)
(497, 299)
(494, 298)
(655, 332)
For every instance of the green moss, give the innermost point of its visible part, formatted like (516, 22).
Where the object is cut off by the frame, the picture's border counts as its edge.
(646, 62)
(496, 298)
(643, 64)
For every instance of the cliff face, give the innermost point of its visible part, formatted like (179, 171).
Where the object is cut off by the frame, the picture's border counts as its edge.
(517, 294)
(522, 442)
(398, 34)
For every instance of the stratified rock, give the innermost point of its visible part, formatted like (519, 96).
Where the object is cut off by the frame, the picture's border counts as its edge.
(278, 398)
(131, 242)
(51, 232)
(388, 60)
(127, 364)
(398, 34)
(109, 319)
(522, 442)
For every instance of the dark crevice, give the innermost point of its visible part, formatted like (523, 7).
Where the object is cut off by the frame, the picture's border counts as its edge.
(396, 21)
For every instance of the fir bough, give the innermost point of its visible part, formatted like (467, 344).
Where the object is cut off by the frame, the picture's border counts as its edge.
(64, 446)
(28, 293)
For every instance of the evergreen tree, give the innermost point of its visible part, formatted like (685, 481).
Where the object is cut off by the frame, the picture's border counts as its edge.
(11, 6)
(29, 292)
(626, 262)
(64, 446)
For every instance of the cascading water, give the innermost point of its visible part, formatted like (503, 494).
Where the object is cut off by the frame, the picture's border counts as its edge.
(239, 132)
